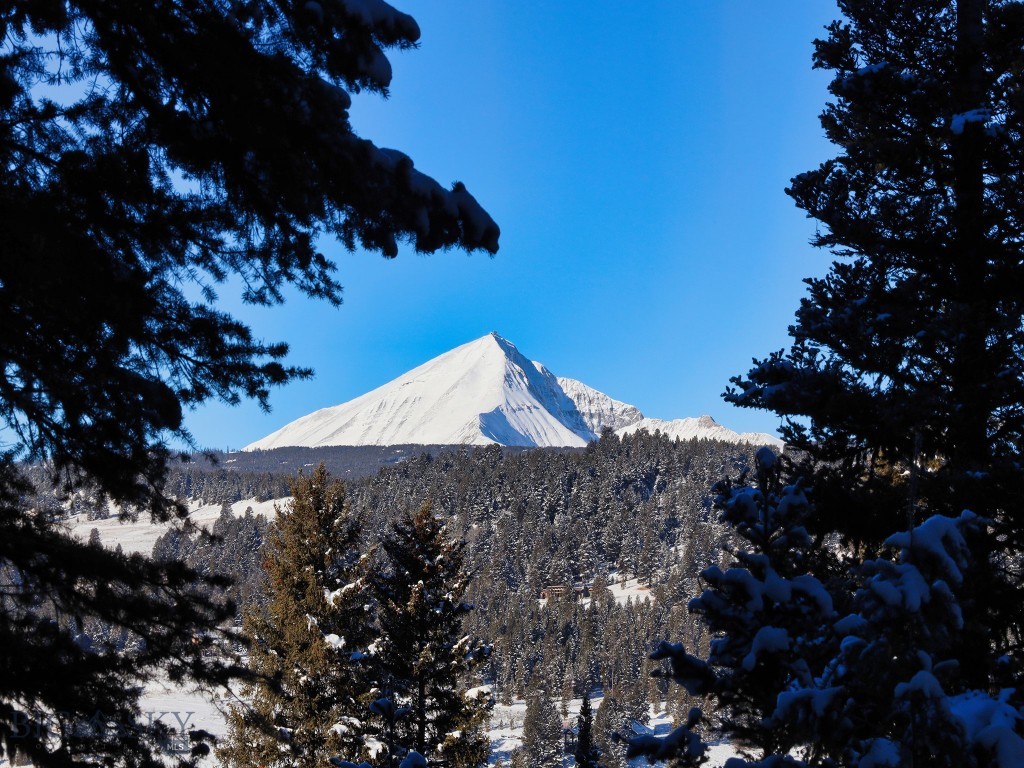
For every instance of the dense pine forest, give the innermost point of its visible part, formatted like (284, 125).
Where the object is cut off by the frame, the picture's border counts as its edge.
(550, 538)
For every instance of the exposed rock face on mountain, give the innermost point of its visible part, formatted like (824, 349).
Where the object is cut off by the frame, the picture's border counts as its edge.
(482, 392)
(597, 409)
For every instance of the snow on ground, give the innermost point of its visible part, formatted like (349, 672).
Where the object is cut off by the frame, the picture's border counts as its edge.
(622, 589)
(165, 701)
(141, 535)
(186, 710)
(507, 731)
(179, 709)
(629, 589)
(174, 706)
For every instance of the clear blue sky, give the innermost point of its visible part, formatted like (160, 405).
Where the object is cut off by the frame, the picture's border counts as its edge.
(634, 155)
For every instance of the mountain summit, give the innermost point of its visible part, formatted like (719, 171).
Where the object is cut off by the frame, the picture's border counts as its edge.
(482, 392)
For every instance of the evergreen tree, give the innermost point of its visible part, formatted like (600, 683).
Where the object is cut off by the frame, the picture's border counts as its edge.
(542, 731)
(903, 391)
(184, 143)
(907, 357)
(83, 630)
(578, 647)
(907, 353)
(609, 727)
(587, 754)
(860, 669)
(422, 657)
(311, 696)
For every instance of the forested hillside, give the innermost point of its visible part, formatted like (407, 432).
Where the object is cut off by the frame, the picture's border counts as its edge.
(552, 536)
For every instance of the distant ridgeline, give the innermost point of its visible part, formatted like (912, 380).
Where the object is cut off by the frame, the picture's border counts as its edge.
(571, 524)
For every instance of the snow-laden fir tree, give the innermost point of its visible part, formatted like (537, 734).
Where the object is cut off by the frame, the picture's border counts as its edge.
(820, 662)
(587, 754)
(422, 661)
(311, 696)
(610, 724)
(903, 390)
(543, 743)
(905, 381)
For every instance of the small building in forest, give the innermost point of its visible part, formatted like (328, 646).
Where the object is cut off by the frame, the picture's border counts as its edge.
(579, 591)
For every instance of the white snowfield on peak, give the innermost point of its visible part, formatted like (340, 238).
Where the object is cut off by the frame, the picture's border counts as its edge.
(480, 393)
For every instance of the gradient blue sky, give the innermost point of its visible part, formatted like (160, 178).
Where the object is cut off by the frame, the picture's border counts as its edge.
(634, 155)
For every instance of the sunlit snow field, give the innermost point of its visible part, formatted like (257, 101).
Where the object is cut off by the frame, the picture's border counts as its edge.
(140, 536)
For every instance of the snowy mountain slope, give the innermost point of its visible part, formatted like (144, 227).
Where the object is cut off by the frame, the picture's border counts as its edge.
(599, 410)
(479, 393)
(702, 428)
(483, 392)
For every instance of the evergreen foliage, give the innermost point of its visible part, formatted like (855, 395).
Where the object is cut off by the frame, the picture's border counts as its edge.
(610, 724)
(587, 755)
(231, 551)
(349, 462)
(83, 630)
(542, 732)
(150, 152)
(520, 512)
(905, 378)
(841, 665)
(165, 170)
(310, 699)
(834, 640)
(421, 656)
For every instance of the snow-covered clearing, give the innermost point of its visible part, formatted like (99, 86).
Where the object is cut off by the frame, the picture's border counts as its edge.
(628, 589)
(193, 709)
(141, 535)
(172, 705)
(182, 710)
(622, 589)
(507, 731)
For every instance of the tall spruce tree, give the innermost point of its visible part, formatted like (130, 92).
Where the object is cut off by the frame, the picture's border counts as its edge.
(422, 659)
(587, 754)
(905, 379)
(609, 725)
(905, 383)
(903, 390)
(309, 702)
(184, 143)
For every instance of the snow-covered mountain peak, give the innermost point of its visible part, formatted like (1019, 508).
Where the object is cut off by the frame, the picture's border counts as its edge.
(481, 392)
(484, 391)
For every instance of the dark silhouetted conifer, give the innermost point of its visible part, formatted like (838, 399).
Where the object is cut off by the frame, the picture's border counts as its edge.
(422, 658)
(185, 144)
